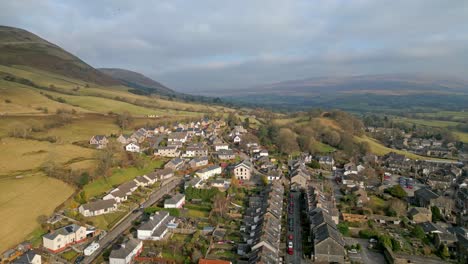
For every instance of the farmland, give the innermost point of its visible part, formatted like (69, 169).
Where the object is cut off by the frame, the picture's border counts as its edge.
(23, 200)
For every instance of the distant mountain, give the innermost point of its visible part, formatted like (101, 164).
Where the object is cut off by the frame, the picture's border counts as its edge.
(137, 80)
(20, 47)
(359, 93)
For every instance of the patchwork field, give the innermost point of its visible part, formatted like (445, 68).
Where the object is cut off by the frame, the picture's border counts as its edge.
(23, 200)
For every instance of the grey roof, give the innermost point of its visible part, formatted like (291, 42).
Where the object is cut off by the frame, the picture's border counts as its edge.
(142, 179)
(326, 231)
(426, 194)
(69, 229)
(26, 258)
(127, 186)
(174, 199)
(99, 205)
(155, 221)
(429, 227)
(210, 168)
(124, 251)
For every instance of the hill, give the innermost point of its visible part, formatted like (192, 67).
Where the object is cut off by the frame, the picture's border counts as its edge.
(137, 80)
(366, 93)
(20, 47)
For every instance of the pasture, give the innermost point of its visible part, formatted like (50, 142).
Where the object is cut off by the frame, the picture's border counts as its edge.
(23, 200)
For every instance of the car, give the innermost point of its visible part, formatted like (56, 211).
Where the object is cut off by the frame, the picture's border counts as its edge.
(291, 195)
(352, 251)
(290, 244)
(79, 259)
(290, 237)
(372, 240)
(291, 227)
(290, 251)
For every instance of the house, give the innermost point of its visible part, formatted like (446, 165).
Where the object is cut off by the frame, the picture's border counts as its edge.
(176, 201)
(98, 207)
(164, 173)
(299, 178)
(328, 244)
(141, 134)
(420, 214)
(220, 146)
(326, 161)
(99, 141)
(117, 195)
(128, 187)
(194, 183)
(169, 151)
(221, 183)
(196, 151)
(198, 162)
(174, 164)
(236, 139)
(156, 227)
(427, 198)
(446, 239)
(61, 238)
(143, 181)
(243, 170)
(226, 154)
(431, 228)
(263, 153)
(274, 175)
(209, 172)
(132, 147)
(126, 139)
(126, 252)
(178, 137)
(30, 257)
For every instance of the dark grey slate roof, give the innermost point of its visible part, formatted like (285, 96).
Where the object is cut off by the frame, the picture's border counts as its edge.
(100, 204)
(124, 250)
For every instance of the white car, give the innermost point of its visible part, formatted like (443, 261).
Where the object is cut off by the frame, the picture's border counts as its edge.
(372, 240)
(290, 244)
(352, 251)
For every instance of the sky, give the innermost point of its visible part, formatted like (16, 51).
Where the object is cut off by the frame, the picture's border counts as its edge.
(210, 45)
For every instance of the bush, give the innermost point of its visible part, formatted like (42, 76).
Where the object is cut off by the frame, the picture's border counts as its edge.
(368, 233)
(397, 191)
(8, 101)
(343, 228)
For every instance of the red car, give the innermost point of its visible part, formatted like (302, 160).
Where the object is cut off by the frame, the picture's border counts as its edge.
(290, 237)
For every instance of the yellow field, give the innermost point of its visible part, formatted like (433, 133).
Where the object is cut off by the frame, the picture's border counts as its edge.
(22, 201)
(23, 154)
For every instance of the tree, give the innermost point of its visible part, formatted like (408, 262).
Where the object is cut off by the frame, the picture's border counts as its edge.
(286, 141)
(418, 232)
(124, 120)
(314, 164)
(443, 251)
(398, 206)
(246, 123)
(84, 179)
(106, 158)
(343, 228)
(397, 191)
(220, 204)
(436, 215)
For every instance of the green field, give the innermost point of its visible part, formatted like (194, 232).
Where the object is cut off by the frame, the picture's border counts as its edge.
(432, 123)
(23, 200)
(379, 149)
(119, 176)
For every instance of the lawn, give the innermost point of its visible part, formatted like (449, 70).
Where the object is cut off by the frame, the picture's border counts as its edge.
(377, 204)
(23, 200)
(25, 154)
(69, 255)
(119, 176)
(107, 221)
(462, 136)
(324, 148)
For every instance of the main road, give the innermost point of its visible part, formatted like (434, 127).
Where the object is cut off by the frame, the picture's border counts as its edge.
(125, 224)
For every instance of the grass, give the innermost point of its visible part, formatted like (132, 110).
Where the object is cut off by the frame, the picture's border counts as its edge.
(23, 200)
(431, 123)
(379, 149)
(106, 221)
(462, 136)
(69, 255)
(324, 148)
(25, 154)
(119, 176)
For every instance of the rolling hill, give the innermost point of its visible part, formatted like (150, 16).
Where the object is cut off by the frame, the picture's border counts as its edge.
(366, 93)
(20, 47)
(137, 80)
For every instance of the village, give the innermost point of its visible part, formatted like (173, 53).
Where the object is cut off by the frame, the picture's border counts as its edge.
(222, 197)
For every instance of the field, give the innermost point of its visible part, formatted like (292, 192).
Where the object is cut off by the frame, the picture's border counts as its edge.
(379, 149)
(23, 200)
(432, 123)
(119, 176)
(25, 154)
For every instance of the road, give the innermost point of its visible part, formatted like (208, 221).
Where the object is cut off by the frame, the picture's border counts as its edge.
(366, 255)
(125, 224)
(297, 232)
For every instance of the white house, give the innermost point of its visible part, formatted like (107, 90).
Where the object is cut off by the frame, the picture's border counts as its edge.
(126, 252)
(209, 172)
(194, 183)
(263, 153)
(59, 239)
(169, 151)
(98, 207)
(156, 227)
(236, 139)
(132, 147)
(30, 257)
(143, 181)
(243, 170)
(116, 194)
(176, 201)
(221, 146)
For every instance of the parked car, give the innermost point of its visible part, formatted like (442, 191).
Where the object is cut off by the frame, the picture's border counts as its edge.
(79, 259)
(290, 237)
(352, 251)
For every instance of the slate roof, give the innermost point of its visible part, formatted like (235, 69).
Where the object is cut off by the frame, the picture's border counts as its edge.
(26, 258)
(152, 223)
(123, 252)
(174, 199)
(66, 230)
(426, 194)
(326, 231)
(100, 204)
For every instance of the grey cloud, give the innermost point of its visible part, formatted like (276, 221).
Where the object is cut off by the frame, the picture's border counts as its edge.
(210, 45)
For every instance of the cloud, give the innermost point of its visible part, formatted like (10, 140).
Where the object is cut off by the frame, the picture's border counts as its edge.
(210, 45)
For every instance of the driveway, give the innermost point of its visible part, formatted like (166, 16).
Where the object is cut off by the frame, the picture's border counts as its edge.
(366, 255)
